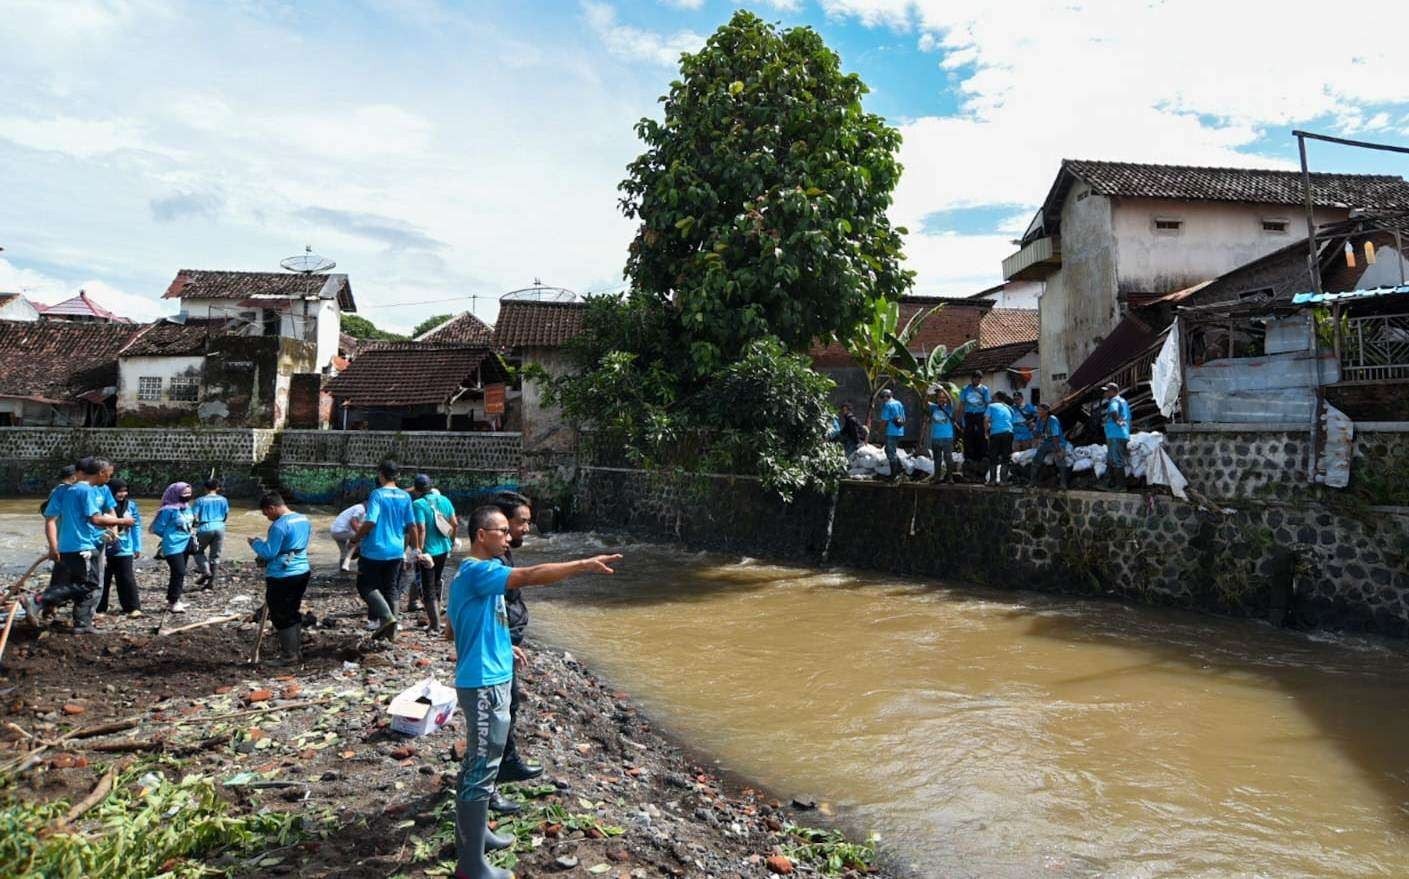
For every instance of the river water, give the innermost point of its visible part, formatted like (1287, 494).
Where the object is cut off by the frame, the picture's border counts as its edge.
(989, 733)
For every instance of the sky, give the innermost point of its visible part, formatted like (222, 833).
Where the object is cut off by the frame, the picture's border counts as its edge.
(446, 153)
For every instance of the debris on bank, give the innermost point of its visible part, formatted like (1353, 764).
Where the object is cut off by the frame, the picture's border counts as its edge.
(212, 766)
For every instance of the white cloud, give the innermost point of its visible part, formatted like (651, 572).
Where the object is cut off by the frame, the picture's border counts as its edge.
(84, 138)
(636, 44)
(684, 4)
(49, 290)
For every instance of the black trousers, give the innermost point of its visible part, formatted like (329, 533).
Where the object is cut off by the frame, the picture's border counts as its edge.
(119, 568)
(377, 581)
(975, 443)
(511, 751)
(284, 595)
(80, 578)
(176, 583)
(432, 578)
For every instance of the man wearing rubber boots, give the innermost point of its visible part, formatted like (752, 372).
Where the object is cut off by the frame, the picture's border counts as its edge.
(479, 625)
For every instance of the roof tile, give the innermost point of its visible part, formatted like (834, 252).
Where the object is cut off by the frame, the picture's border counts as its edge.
(524, 324)
(1257, 185)
(59, 360)
(1003, 326)
(463, 329)
(410, 373)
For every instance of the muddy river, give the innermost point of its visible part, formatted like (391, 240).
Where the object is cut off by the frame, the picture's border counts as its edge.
(992, 733)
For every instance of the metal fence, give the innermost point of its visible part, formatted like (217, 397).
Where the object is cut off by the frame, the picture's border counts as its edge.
(1376, 348)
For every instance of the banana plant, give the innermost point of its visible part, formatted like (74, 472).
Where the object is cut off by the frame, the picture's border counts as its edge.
(876, 344)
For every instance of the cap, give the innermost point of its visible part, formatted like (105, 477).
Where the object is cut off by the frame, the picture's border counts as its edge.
(1110, 386)
(886, 393)
(422, 482)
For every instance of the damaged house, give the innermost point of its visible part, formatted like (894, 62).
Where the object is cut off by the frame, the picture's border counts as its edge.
(61, 374)
(1113, 237)
(416, 386)
(533, 333)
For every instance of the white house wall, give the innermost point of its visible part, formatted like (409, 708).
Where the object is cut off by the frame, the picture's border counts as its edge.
(543, 426)
(20, 309)
(130, 369)
(1078, 306)
(1215, 237)
(329, 329)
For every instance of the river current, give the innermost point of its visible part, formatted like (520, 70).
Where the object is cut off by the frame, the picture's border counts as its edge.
(988, 733)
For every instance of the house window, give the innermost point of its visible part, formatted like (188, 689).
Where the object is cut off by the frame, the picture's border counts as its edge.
(1168, 226)
(185, 389)
(149, 388)
(1275, 227)
(1262, 294)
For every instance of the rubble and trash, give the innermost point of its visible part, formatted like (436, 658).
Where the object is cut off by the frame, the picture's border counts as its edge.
(422, 708)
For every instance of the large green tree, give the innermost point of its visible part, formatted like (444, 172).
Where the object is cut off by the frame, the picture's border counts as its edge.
(762, 196)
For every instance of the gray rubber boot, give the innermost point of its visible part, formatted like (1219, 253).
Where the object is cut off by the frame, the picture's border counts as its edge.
(290, 645)
(493, 842)
(471, 832)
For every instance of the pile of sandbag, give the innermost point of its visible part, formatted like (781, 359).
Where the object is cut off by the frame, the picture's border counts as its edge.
(1148, 461)
(869, 461)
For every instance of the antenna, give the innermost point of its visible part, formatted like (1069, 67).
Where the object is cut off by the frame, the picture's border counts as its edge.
(540, 293)
(308, 262)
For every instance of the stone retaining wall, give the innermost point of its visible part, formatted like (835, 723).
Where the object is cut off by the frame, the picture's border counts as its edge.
(339, 467)
(1258, 461)
(148, 458)
(1135, 547)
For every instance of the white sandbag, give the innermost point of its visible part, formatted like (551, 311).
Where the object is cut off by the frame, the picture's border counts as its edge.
(1023, 457)
(922, 465)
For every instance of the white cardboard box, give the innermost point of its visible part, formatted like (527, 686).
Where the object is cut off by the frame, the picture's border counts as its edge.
(422, 708)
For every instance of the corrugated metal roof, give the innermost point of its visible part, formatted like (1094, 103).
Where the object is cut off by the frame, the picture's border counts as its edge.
(1314, 298)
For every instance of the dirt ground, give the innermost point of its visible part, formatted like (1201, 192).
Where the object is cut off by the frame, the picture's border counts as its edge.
(618, 798)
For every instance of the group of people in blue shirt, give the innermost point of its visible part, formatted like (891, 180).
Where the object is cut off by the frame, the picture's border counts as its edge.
(995, 425)
(190, 530)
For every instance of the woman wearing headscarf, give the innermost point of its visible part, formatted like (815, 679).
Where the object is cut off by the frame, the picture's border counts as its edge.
(121, 554)
(173, 524)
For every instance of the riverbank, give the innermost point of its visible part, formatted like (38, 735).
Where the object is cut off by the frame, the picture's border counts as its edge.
(304, 778)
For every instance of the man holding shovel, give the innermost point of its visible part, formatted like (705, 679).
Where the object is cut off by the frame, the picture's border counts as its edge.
(77, 544)
(484, 667)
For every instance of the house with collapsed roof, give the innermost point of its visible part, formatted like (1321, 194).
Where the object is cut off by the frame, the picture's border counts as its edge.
(302, 307)
(61, 374)
(1111, 237)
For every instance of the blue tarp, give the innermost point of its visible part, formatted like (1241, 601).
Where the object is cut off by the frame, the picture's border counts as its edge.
(1314, 298)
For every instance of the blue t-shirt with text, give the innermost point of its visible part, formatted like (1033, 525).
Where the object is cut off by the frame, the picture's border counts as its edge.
(893, 414)
(389, 511)
(211, 511)
(484, 656)
(975, 399)
(1026, 413)
(942, 418)
(1000, 419)
(173, 526)
(285, 548)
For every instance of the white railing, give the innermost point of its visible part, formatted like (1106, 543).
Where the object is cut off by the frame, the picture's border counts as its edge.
(1376, 348)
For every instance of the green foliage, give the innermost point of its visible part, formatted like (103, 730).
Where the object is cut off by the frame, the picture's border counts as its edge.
(766, 414)
(526, 827)
(428, 324)
(360, 328)
(828, 851)
(880, 346)
(168, 829)
(762, 196)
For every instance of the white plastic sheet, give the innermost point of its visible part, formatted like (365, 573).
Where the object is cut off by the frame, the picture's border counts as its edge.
(1334, 467)
(1165, 375)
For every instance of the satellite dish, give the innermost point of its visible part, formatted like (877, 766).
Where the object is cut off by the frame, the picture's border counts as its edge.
(540, 293)
(308, 262)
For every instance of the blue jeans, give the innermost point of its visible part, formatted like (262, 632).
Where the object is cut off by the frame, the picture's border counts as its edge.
(943, 450)
(486, 712)
(892, 458)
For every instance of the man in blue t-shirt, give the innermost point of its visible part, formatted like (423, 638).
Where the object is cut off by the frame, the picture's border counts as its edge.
(484, 665)
(211, 511)
(942, 435)
(998, 420)
(386, 531)
(973, 406)
(1023, 423)
(1115, 418)
(893, 417)
(284, 554)
(76, 542)
(1051, 442)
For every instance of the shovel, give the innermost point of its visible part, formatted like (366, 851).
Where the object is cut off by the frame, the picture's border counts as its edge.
(14, 591)
(259, 618)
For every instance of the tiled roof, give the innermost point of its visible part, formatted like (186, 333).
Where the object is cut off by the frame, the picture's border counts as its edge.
(1002, 326)
(410, 374)
(200, 284)
(59, 360)
(7, 298)
(995, 358)
(463, 329)
(170, 339)
(1259, 185)
(537, 324)
(957, 322)
(82, 306)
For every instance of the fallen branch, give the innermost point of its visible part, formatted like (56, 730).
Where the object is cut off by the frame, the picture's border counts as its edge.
(15, 604)
(260, 617)
(102, 729)
(213, 621)
(249, 711)
(127, 746)
(97, 795)
(30, 757)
